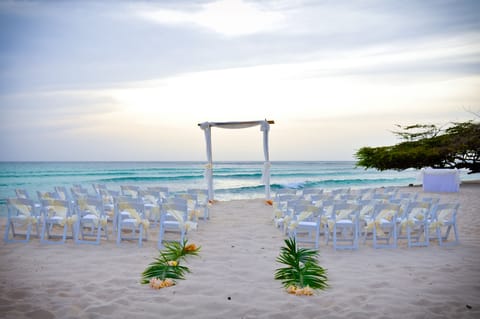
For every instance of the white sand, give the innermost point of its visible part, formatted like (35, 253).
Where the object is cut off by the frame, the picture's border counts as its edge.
(233, 277)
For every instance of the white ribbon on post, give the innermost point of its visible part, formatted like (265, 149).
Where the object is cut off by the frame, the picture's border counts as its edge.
(266, 172)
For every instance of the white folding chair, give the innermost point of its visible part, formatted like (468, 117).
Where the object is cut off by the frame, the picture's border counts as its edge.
(131, 221)
(444, 219)
(22, 216)
(383, 226)
(174, 218)
(58, 217)
(343, 226)
(92, 222)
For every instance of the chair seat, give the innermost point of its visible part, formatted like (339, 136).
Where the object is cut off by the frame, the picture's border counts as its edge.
(90, 216)
(21, 218)
(171, 223)
(307, 224)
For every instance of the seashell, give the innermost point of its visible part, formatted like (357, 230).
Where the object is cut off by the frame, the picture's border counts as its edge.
(156, 283)
(307, 291)
(168, 282)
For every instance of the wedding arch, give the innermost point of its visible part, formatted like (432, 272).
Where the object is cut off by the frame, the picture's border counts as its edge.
(264, 127)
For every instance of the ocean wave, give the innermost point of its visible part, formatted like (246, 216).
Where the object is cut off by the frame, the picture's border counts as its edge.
(318, 184)
(148, 178)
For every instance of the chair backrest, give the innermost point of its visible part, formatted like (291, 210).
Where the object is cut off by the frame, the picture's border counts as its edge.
(90, 205)
(129, 190)
(418, 210)
(285, 191)
(307, 193)
(62, 192)
(56, 207)
(344, 211)
(286, 197)
(130, 205)
(383, 197)
(432, 200)
(201, 195)
(21, 206)
(339, 191)
(445, 211)
(21, 193)
(351, 198)
(410, 196)
(320, 197)
(367, 209)
(386, 211)
(78, 191)
(162, 190)
(390, 190)
(98, 187)
(365, 193)
(47, 195)
(150, 196)
(175, 207)
(306, 211)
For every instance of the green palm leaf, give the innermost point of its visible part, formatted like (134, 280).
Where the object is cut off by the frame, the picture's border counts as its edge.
(162, 267)
(302, 267)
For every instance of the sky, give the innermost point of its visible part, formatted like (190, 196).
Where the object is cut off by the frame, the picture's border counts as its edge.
(130, 80)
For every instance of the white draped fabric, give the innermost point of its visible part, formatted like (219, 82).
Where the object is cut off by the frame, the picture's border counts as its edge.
(264, 127)
(440, 180)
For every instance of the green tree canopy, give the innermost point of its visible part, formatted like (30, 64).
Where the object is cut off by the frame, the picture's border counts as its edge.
(427, 146)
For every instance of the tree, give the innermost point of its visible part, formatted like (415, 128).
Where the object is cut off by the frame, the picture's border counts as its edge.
(427, 145)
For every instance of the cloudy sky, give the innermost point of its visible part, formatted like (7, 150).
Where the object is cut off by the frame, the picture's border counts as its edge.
(130, 80)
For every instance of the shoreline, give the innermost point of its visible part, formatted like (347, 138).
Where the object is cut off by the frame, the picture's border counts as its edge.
(233, 275)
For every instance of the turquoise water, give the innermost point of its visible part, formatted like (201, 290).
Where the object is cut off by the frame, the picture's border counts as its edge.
(232, 180)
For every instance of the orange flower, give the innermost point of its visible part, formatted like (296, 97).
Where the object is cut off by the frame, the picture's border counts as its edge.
(190, 247)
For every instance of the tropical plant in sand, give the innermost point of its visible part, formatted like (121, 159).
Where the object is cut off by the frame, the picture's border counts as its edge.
(167, 268)
(302, 274)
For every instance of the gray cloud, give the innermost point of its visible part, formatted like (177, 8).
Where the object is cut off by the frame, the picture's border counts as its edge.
(76, 44)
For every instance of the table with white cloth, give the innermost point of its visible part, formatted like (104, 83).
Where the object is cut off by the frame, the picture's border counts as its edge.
(440, 180)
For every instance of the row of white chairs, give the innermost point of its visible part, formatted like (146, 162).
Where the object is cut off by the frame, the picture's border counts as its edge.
(347, 218)
(86, 217)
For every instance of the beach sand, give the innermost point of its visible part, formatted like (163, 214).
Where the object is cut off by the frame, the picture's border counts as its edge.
(233, 276)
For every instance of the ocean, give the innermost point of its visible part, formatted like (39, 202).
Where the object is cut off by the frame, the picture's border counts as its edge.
(232, 180)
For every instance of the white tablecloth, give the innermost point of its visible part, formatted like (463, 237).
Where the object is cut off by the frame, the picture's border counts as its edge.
(440, 180)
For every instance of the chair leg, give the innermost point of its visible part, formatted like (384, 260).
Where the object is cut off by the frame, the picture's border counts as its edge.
(140, 236)
(334, 237)
(7, 230)
(160, 236)
(119, 233)
(29, 229)
(455, 232)
(65, 230)
(44, 229)
(99, 233)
